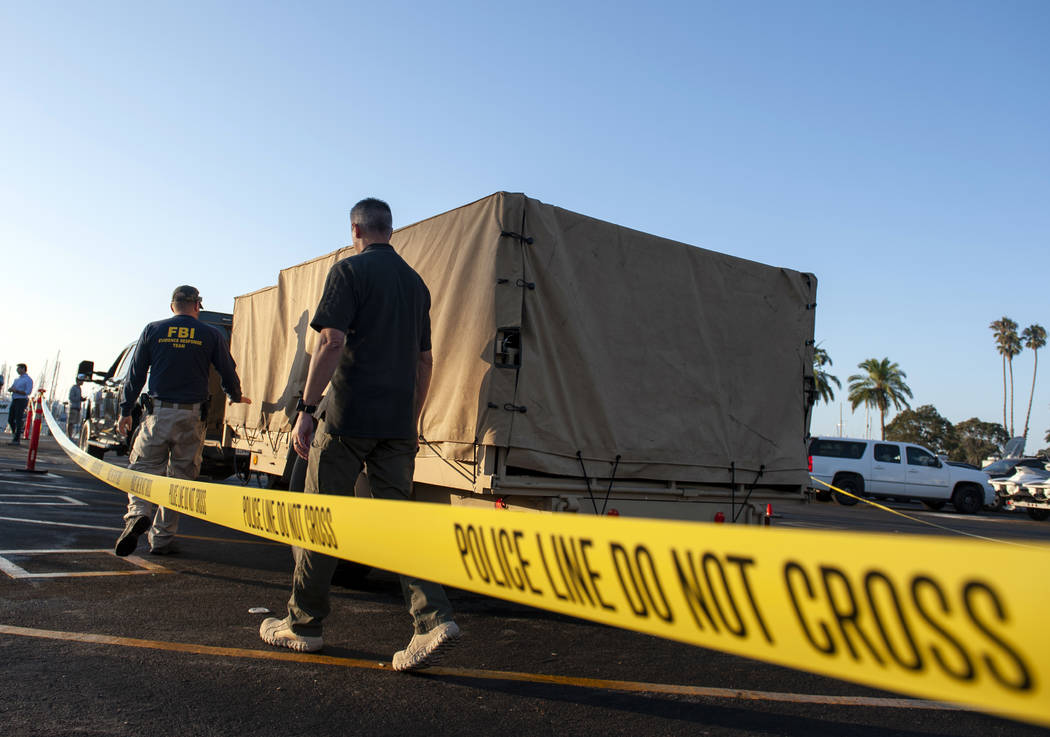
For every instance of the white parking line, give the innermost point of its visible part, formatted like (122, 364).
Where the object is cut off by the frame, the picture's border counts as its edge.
(66, 500)
(53, 487)
(21, 474)
(807, 525)
(974, 517)
(14, 570)
(58, 524)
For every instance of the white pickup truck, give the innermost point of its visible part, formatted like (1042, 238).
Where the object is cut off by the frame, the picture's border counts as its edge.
(888, 468)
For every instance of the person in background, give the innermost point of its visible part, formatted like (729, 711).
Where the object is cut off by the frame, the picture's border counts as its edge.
(76, 398)
(177, 354)
(374, 347)
(21, 388)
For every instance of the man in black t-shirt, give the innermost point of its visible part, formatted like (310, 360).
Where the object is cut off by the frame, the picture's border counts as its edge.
(374, 347)
(177, 354)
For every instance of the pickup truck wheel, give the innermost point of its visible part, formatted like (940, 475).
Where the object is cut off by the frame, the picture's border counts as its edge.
(847, 484)
(967, 499)
(1038, 514)
(934, 504)
(85, 441)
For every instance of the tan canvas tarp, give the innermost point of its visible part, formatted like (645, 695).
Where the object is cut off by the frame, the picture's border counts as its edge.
(681, 361)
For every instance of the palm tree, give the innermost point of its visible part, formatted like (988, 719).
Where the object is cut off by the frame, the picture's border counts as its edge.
(822, 378)
(881, 386)
(1034, 338)
(1009, 345)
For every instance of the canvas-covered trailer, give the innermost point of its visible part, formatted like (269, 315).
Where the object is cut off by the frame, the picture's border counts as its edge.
(578, 366)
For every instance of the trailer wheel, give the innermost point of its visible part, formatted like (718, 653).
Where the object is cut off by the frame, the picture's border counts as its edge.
(243, 464)
(351, 575)
(967, 499)
(934, 504)
(1038, 514)
(272, 481)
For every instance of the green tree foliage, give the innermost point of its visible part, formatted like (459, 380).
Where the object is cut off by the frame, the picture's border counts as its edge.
(823, 379)
(1034, 337)
(923, 426)
(976, 440)
(971, 440)
(880, 387)
(1008, 343)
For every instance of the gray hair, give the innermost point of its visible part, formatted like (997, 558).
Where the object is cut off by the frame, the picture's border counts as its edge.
(372, 215)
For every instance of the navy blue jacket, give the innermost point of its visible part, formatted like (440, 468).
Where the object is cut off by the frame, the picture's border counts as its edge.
(177, 353)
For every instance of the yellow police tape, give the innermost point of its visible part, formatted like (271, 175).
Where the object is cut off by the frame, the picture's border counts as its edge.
(954, 620)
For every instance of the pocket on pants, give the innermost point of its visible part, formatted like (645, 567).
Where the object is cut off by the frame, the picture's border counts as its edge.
(321, 439)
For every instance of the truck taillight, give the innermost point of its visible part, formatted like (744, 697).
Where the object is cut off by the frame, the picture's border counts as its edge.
(809, 463)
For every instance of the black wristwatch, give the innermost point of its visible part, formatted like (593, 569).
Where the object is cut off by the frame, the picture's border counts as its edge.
(302, 406)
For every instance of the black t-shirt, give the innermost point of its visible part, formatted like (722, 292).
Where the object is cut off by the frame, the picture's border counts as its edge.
(177, 354)
(383, 306)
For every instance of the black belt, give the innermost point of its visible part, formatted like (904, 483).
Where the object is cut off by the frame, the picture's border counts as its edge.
(178, 405)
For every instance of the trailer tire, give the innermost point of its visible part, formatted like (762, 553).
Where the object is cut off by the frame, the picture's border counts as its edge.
(1038, 514)
(934, 504)
(243, 466)
(273, 481)
(351, 575)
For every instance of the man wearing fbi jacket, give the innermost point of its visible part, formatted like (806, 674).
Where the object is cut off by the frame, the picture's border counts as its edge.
(177, 353)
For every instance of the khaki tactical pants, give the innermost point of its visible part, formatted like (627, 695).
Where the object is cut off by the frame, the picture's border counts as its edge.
(170, 443)
(335, 463)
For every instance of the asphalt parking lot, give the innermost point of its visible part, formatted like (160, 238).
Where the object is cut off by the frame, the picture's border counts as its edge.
(96, 645)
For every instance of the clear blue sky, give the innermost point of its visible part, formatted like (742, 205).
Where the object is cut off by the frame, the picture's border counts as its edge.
(899, 150)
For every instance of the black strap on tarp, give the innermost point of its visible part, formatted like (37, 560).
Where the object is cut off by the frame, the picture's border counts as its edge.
(523, 238)
(587, 480)
(761, 470)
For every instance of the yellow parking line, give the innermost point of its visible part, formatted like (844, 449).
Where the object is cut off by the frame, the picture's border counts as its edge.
(493, 675)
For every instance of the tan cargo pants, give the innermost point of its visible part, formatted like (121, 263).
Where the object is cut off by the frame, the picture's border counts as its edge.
(170, 443)
(335, 463)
